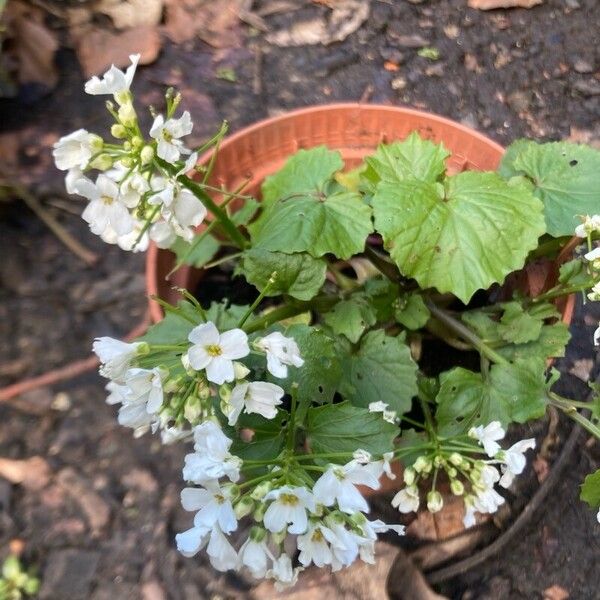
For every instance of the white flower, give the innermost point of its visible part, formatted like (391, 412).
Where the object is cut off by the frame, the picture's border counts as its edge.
(589, 225)
(74, 151)
(114, 81)
(593, 256)
(167, 133)
(162, 234)
(145, 386)
(254, 555)
(594, 295)
(170, 435)
(338, 483)
(282, 572)
(378, 406)
(514, 459)
(257, 397)
(347, 546)
(72, 177)
(281, 351)
(178, 206)
(597, 336)
(361, 456)
(213, 506)
(211, 459)
(487, 436)
(132, 186)
(598, 517)
(131, 242)
(314, 545)
(115, 356)
(289, 507)
(388, 415)
(105, 208)
(220, 552)
(435, 502)
(407, 499)
(387, 465)
(370, 530)
(216, 351)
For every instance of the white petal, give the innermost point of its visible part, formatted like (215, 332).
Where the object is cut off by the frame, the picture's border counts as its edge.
(220, 370)
(205, 334)
(234, 344)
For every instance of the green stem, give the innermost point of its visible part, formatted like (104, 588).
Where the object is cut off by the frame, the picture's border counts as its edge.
(559, 291)
(382, 265)
(172, 309)
(230, 228)
(291, 427)
(259, 299)
(550, 247)
(571, 411)
(465, 333)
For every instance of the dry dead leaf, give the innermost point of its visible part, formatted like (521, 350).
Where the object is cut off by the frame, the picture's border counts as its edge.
(440, 525)
(556, 592)
(491, 4)
(34, 45)
(98, 48)
(345, 18)
(541, 468)
(216, 22)
(131, 13)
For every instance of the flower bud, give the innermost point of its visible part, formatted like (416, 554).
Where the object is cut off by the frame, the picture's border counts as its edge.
(409, 476)
(259, 512)
(126, 161)
(147, 154)
(118, 131)
(96, 142)
(277, 538)
(225, 393)
(137, 142)
(123, 97)
(457, 487)
(244, 507)
(438, 461)
(435, 502)
(193, 409)
(103, 162)
(422, 465)
(452, 472)
(240, 370)
(456, 459)
(257, 534)
(261, 490)
(127, 115)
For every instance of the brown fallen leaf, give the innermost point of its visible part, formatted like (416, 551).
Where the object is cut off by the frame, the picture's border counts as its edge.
(98, 48)
(33, 44)
(582, 368)
(216, 22)
(556, 592)
(491, 4)
(345, 18)
(32, 473)
(131, 13)
(541, 468)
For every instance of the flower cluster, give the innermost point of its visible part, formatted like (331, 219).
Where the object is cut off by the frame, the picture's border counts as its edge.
(137, 195)
(324, 520)
(469, 475)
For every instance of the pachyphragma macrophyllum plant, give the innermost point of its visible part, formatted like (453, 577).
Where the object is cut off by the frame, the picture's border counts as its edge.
(298, 403)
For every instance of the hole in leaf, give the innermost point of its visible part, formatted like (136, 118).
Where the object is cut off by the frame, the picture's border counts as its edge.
(320, 388)
(573, 162)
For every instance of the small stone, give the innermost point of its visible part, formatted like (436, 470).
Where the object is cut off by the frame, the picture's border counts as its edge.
(583, 66)
(587, 88)
(61, 402)
(32, 473)
(452, 31)
(407, 41)
(69, 574)
(436, 70)
(398, 83)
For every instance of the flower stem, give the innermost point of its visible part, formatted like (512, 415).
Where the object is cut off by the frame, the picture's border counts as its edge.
(571, 411)
(264, 292)
(465, 333)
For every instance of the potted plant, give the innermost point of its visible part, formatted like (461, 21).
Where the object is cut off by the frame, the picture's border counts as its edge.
(309, 377)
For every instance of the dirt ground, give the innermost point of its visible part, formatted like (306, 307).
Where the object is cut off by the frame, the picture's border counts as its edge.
(98, 510)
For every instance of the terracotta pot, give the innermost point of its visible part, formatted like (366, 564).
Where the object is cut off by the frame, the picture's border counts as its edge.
(353, 129)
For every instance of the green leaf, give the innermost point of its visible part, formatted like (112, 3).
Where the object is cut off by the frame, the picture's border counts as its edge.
(573, 272)
(382, 294)
(513, 392)
(380, 369)
(551, 343)
(201, 253)
(590, 489)
(566, 177)
(343, 427)
(413, 158)
(224, 315)
(305, 173)
(459, 237)
(518, 326)
(318, 224)
(174, 328)
(319, 377)
(411, 311)
(299, 275)
(266, 441)
(351, 317)
(244, 215)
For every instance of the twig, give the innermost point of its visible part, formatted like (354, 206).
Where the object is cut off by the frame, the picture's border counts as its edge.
(257, 86)
(88, 257)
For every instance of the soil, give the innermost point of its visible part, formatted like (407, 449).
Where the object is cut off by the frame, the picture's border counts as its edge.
(97, 514)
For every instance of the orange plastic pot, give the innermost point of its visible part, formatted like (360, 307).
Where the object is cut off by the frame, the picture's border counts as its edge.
(354, 129)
